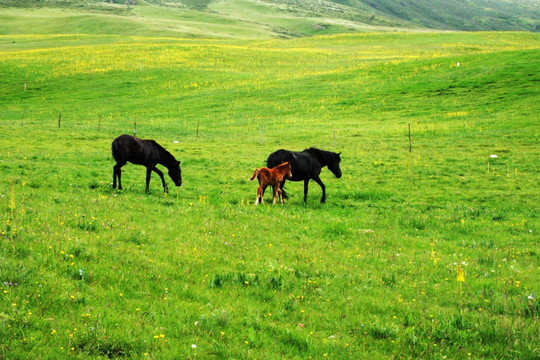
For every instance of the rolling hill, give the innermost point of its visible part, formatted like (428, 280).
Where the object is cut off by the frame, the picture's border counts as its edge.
(260, 19)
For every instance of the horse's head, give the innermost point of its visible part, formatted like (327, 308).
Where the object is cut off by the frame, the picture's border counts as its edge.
(176, 173)
(333, 164)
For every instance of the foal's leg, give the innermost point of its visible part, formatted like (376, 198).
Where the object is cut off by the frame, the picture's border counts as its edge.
(280, 192)
(276, 191)
(260, 190)
(260, 195)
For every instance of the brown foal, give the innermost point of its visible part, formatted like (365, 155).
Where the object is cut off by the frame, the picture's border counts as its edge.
(274, 177)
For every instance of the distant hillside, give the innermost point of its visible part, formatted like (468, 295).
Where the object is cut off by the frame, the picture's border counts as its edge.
(263, 18)
(469, 15)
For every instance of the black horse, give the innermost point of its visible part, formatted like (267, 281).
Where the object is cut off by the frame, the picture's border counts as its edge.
(307, 165)
(144, 152)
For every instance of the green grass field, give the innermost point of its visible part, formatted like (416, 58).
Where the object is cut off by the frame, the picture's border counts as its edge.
(430, 254)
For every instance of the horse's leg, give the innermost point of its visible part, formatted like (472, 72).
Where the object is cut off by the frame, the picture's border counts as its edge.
(306, 183)
(275, 187)
(280, 192)
(117, 173)
(281, 188)
(148, 175)
(165, 188)
(318, 181)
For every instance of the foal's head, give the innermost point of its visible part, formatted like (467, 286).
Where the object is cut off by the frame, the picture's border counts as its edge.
(176, 173)
(288, 170)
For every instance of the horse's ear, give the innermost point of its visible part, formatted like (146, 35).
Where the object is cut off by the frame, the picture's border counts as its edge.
(178, 162)
(339, 153)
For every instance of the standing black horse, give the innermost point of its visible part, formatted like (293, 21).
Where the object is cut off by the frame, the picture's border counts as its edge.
(307, 165)
(144, 152)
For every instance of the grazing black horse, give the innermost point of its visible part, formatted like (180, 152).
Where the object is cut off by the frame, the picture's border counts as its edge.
(144, 152)
(307, 165)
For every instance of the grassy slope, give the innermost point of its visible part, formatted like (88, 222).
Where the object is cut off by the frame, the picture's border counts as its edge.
(232, 19)
(371, 273)
(142, 21)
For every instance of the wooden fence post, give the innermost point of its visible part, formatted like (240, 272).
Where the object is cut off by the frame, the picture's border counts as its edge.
(410, 141)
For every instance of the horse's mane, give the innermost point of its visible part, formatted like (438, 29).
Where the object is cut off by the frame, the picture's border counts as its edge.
(163, 153)
(323, 157)
(319, 154)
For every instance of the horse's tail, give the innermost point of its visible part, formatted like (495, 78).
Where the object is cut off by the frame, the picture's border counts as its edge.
(115, 149)
(255, 174)
(118, 145)
(275, 158)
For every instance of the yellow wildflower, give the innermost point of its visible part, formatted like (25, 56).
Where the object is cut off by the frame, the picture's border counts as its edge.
(460, 274)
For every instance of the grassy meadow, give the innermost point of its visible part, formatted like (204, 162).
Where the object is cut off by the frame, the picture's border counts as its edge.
(431, 253)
